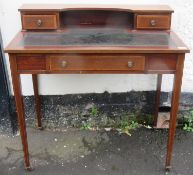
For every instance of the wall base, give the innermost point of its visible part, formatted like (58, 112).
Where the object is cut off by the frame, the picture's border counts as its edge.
(60, 111)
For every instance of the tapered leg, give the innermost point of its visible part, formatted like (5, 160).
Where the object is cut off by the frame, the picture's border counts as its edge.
(20, 109)
(174, 108)
(37, 100)
(157, 98)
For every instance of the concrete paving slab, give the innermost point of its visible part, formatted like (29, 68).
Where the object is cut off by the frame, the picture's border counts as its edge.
(75, 152)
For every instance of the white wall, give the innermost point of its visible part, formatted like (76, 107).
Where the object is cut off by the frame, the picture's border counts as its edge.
(182, 24)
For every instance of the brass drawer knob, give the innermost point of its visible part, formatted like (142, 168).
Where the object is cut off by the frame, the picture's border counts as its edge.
(130, 64)
(153, 22)
(39, 22)
(63, 64)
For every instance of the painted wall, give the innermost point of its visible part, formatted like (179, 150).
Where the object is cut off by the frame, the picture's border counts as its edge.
(182, 24)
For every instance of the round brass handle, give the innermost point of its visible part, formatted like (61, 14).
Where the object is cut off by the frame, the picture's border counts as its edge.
(39, 22)
(63, 64)
(153, 22)
(130, 64)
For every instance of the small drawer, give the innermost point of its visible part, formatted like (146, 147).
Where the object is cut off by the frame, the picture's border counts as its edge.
(153, 21)
(39, 21)
(29, 62)
(93, 62)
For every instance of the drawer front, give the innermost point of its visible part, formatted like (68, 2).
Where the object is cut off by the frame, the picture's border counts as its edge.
(153, 21)
(97, 62)
(39, 21)
(26, 62)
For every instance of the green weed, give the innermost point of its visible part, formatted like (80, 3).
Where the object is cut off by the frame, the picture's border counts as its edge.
(126, 126)
(94, 111)
(188, 126)
(86, 126)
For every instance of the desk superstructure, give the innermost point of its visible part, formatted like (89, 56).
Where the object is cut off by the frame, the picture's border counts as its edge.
(96, 39)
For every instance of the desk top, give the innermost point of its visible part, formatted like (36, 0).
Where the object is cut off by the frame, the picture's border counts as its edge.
(92, 40)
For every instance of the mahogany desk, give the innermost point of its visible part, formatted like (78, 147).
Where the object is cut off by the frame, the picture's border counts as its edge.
(94, 39)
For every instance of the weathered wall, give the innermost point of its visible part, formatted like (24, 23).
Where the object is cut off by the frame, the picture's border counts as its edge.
(182, 24)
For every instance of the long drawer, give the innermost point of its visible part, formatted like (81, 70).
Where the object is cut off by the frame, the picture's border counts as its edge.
(97, 62)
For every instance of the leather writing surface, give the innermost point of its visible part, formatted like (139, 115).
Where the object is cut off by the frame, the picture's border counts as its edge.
(97, 37)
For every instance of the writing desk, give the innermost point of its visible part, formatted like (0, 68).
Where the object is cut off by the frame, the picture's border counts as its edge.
(94, 39)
